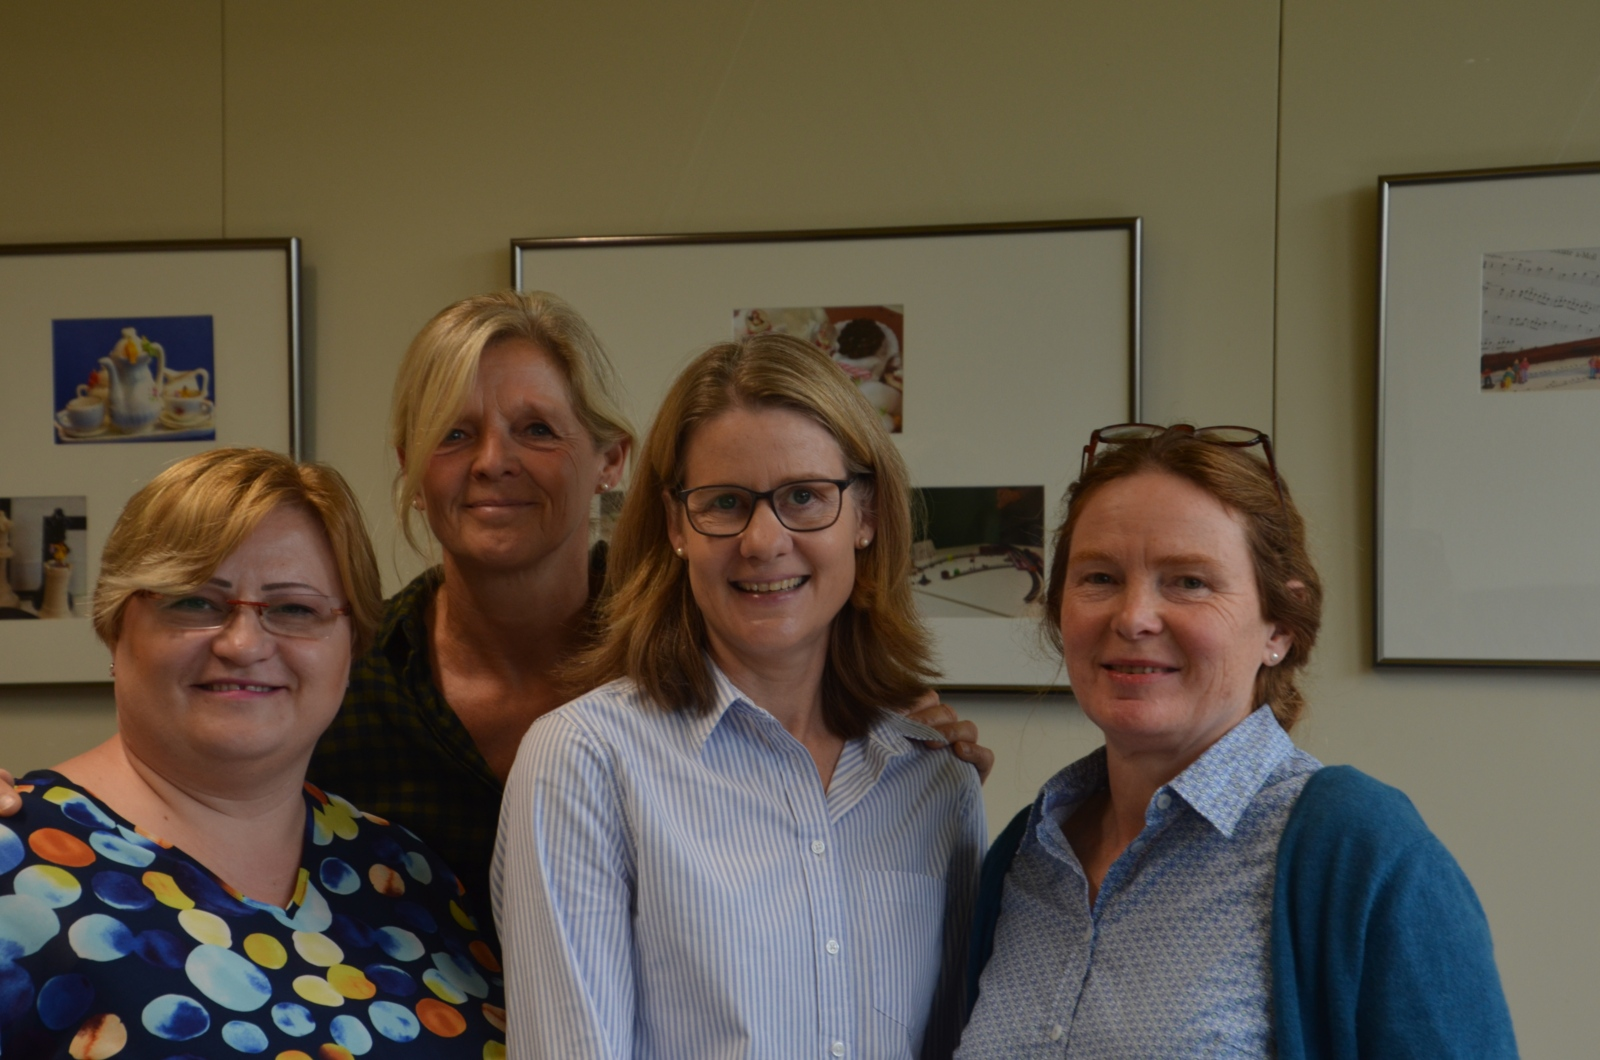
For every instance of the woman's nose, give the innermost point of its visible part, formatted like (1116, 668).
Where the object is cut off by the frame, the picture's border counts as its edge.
(242, 637)
(1138, 611)
(765, 536)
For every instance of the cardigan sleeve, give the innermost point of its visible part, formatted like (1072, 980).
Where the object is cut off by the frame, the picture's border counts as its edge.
(1379, 946)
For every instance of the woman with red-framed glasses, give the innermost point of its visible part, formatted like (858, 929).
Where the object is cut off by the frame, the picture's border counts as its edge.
(1199, 886)
(180, 889)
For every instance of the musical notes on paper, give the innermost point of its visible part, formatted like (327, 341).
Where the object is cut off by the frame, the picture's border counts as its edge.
(1541, 320)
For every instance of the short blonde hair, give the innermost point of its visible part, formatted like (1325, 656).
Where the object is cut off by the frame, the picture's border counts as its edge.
(442, 362)
(879, 653)
(177, 530)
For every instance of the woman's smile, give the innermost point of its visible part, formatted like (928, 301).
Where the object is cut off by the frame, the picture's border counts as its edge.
(764, 588)
(768, 594)
(1161, 622)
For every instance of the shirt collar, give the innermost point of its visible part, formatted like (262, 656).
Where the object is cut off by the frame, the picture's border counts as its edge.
(403, 629)
(1220, 784)
(892, 732)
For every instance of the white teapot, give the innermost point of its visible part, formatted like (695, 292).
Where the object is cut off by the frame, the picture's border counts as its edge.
(133, 366)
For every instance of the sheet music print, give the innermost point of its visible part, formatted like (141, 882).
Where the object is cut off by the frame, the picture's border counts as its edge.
(1541, 320)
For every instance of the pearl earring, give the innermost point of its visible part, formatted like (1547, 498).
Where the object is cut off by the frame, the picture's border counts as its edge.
(113, 670)
(864, 542)
(1274, 658)
(603, 487)
(679, 551)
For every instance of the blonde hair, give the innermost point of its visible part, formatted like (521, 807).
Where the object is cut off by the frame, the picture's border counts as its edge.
(176, 531)
(1286, 580)
(441, 364)
(878, 654)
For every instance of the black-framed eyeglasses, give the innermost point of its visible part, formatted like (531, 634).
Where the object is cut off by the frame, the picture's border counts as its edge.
(804, 506)
(305, 615)
(1231, 436)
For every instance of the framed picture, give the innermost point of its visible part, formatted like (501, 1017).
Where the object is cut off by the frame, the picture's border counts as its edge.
(990, 351)
(118, 359)
(1488, 420)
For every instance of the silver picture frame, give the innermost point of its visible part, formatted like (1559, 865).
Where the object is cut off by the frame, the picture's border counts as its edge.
(210, 331)
(1019, 339)
(1487, 418)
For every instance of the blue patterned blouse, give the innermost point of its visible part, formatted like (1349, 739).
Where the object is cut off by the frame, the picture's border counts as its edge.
(1172, 959)
(115, 944)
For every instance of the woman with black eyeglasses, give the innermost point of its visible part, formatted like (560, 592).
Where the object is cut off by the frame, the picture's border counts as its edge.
(1199, 886)
(180, 890)
(736, 846)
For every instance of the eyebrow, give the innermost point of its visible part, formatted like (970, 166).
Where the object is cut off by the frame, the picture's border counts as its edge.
(780, 485)
(1176, 559)
(223, 583)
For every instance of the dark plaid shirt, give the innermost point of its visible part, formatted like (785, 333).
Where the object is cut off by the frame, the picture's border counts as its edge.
(397, 750)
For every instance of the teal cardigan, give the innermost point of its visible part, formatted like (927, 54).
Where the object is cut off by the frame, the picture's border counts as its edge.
(1379, 945)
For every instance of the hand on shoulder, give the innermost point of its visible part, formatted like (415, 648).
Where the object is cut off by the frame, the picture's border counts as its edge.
(959, 735)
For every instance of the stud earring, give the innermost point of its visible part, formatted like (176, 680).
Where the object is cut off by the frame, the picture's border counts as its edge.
(864, 542)
(113, 671)
(679, 551)
(602, 487)
(1274, 657)
(416, 502)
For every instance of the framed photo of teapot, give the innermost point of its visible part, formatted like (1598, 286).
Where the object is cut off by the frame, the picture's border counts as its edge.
(120, 358)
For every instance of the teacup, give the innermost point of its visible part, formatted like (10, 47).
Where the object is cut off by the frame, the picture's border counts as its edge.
(86, 413)
(188, 408)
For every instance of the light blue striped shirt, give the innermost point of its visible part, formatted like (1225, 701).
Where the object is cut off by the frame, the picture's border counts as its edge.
(674, 885)
(1172, 959)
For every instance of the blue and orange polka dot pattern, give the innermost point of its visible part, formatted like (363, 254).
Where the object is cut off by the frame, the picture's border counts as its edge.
(116, 944)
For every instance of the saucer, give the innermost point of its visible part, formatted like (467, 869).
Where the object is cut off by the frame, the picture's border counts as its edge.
(184, 423)
(69, 431)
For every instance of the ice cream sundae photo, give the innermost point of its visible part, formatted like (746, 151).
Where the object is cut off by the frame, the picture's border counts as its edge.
(866, 342)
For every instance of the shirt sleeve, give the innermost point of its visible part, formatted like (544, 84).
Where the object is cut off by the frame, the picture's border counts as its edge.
(961, 892)
(563, 891)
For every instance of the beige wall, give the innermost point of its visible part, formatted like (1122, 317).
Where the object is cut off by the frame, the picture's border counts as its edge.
(405, 143)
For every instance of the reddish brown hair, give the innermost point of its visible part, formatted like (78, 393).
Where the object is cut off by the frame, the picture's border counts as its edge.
(1286, 580)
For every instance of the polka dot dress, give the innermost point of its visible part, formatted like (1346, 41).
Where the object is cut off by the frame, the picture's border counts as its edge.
(116, 944)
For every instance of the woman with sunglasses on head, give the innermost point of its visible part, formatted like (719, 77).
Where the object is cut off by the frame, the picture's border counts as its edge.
(180, 889)
(1199, 886)
(735, 846)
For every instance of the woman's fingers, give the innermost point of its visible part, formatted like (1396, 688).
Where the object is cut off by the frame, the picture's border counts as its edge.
(961, 736)
(10, 801)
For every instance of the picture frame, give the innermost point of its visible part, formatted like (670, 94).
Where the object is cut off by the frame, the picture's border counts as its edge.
(1488, 416)
(138, 353)
(992, 350)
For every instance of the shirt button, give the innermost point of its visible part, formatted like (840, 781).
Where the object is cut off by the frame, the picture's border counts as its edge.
(1056, 1032)
(1163, 801)
(817, 847)
(832, 946)
(837, 1048)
